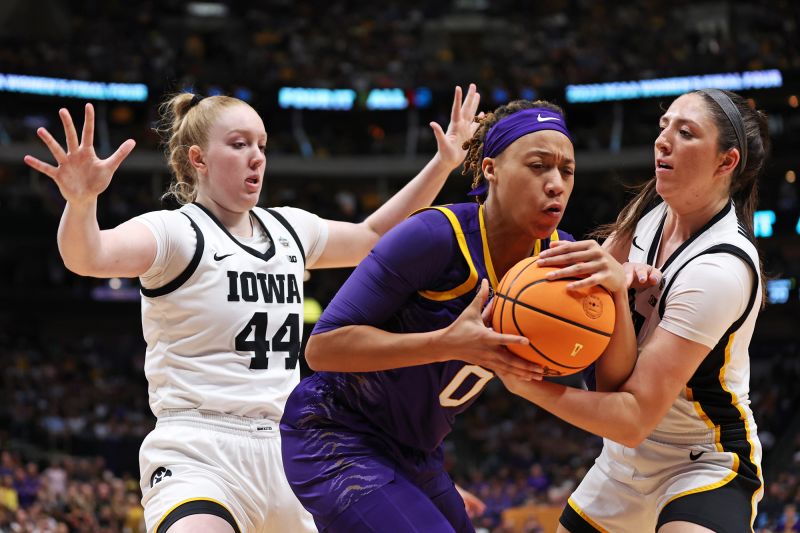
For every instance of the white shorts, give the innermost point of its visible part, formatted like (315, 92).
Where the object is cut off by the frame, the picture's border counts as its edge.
(636, 490)
(199, 462)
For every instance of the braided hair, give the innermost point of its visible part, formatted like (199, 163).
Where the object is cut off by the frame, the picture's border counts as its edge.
(474, 146)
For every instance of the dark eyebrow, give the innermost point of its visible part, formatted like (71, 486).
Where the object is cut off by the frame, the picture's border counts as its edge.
(547, 153)
(680, 120)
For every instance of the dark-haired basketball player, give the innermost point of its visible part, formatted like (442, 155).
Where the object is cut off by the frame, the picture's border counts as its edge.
(681, 453)
(402, 348)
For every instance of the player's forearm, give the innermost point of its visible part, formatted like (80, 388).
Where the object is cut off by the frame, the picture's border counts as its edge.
(369, 349)
(417, 193)
(613, 415)
(619, 358)
(79, 240)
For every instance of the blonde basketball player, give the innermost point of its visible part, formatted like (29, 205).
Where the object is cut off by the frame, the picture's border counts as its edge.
(222, 301)
(681, 452)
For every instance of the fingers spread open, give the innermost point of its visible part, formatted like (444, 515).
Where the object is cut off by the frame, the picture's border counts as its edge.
(58, 153)
(438, 133)
(116, 159)
(69, 129)
(471, 102)
(87, 136)
(41, 166)
(454, 111)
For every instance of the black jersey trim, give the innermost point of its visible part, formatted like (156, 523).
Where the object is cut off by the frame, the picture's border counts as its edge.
(657, 237)
(707, 390)
(187, 272)
(199, 506)
(725, 508)
(266, 256)
(280, 218)
(577, 521)
(717, 249)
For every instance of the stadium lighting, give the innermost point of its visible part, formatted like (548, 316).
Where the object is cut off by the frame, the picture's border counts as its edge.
(778, 290)
(762, 223)
(89, 90)
(387, 99)
(207, 9)
(323, 99)
(631, 90)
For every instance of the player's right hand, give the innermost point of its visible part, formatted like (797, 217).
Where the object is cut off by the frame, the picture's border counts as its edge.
(641, 275)
(461, 128)
(80, 175)
(469, 339)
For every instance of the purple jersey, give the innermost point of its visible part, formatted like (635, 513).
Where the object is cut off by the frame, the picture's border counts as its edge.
(420, 277)
(426, 273)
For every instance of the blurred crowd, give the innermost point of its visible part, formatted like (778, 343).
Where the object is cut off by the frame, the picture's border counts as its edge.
(75, 405)
(76, 414)
(510, 48)
(66, 494)
(360, 44)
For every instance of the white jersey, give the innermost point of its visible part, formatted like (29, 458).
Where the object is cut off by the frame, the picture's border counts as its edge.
(710, 294)
(222, 316)
(702, 462)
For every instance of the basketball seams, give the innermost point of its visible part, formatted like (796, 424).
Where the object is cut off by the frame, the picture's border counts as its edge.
(510, 294)
(557, 317)
(535, 349)
(506, 282)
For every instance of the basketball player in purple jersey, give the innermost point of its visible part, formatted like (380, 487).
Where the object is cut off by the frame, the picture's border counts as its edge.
(403, 347)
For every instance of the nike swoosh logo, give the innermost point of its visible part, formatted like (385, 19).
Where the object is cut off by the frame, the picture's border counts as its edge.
(636, 245)
(221, 257)
(695, 457)
(540, 118)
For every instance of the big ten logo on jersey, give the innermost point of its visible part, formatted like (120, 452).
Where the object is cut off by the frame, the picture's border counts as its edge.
(267, 288)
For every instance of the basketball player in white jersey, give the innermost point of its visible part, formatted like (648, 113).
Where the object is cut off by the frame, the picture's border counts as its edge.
(222, 301)
(681, 452)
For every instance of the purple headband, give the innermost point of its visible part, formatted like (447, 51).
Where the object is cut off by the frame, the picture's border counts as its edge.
(510, 128)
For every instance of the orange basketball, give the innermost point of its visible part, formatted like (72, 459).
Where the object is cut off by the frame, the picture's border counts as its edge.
(567, 330)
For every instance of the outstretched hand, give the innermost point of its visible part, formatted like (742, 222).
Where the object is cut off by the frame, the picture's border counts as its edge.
(470, 340)
(80, 175)
(462, 126)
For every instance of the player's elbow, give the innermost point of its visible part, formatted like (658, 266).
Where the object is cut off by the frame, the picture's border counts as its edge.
(81, 268)
(631, 436)
(370, 235)
(314, 354)
(631, 441)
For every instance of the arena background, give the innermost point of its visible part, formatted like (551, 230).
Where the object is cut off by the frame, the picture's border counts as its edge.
(361, 81)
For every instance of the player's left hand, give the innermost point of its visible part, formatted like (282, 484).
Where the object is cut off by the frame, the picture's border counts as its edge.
(473, 504)
(583, 259)
(462, 126)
